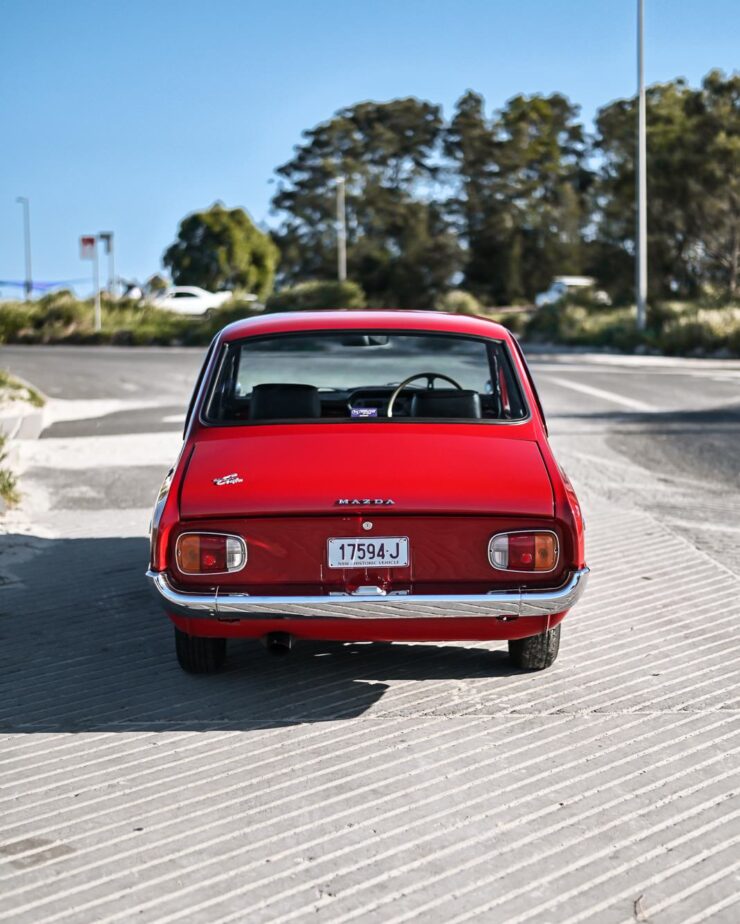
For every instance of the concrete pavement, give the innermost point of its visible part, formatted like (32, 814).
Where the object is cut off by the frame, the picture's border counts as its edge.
(376, 783)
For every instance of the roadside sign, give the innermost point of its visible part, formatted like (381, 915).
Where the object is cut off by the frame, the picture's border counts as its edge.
(87, 247)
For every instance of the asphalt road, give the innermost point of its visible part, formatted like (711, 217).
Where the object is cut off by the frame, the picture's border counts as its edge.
(381, 783)
(673, 420)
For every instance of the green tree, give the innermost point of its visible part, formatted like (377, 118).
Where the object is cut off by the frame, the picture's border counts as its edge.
(715, 116)
(221, 248)
(400, 247)
(521, 199)
(693, 168)
(669, 196)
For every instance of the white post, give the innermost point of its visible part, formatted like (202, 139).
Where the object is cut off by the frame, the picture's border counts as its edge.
(107, 238)
(341, 231)
(96, 284)
(641, 268)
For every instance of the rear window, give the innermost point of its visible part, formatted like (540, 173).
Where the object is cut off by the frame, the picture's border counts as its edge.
(364, 377)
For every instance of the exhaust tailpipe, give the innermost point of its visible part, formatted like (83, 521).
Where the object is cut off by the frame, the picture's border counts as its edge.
(278, 643)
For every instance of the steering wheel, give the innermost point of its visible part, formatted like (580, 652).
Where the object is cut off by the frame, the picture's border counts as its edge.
(429, 376)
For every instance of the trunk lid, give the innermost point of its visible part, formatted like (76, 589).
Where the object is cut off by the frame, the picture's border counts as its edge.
(421, 468)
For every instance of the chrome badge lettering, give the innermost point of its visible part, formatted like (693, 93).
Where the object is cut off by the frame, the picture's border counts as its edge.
(364, 502)
(228, 479)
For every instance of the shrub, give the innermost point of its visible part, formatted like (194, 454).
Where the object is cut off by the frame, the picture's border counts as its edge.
(515, 321)
(707, 330)
(577, 325)
(317, 295)
(458, 301)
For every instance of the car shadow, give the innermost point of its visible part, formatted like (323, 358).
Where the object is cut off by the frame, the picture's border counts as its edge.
(84, 647)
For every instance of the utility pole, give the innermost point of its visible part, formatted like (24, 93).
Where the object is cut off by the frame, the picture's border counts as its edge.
(106, 238)
(641, 268)
(24, 201)
(341, 232)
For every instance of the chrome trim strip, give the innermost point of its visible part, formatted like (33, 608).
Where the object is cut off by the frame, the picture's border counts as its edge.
(217, 605)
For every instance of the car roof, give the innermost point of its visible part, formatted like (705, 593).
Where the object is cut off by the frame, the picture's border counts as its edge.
(372, 319)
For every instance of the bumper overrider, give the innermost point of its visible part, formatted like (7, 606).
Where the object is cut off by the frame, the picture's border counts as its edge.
(370, 605)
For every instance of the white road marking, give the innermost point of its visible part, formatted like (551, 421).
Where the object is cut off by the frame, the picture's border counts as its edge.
(643, 362)
(174, 418)
(710, 373)
(631, 403)
(58, 410)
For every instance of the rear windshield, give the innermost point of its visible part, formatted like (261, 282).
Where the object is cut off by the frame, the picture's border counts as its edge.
(364, 377)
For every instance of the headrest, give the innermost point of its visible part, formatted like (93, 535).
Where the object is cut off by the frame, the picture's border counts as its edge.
(284, 402)
(444, 402)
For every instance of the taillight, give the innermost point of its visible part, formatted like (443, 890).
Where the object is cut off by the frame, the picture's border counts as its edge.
(523, 551)
(210, 553)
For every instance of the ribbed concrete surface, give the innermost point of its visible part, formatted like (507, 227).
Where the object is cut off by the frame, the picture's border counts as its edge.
(365, 783)
(373, 783)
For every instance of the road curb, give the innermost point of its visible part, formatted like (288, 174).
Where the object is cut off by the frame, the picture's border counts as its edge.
(20, 420)
(23, 425)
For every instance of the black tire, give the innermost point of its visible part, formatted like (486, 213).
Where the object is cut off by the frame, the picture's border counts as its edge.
(536, 652)
(199, 655)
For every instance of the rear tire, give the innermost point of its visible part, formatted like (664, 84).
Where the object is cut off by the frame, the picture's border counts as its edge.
(199, 655)
(537, 652)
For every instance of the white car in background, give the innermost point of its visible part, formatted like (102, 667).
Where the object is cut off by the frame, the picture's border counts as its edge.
(190, 299)
(567, 285)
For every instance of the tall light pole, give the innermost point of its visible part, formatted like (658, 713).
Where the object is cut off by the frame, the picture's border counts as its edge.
(641, 230)
(341, 232)
(24, 201)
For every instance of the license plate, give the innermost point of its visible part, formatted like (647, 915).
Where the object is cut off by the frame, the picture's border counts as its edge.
(383, 552)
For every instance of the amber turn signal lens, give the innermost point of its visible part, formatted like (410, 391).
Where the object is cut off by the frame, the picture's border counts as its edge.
(523, 551)
(210, 553)
(188, 554)
(545, 552)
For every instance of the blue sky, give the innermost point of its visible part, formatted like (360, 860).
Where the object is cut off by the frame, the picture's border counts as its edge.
(125, 116)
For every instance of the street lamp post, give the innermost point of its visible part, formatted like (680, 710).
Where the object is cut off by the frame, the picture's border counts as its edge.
(341, 231)
(24, 201)
(641, 229)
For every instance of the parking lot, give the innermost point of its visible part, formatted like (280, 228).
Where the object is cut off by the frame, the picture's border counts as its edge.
(375, 783)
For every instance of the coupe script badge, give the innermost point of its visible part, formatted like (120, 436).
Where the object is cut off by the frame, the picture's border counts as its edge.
(364, 502)
(228, 479)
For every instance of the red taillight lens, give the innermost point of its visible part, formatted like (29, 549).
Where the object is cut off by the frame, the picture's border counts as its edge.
(524, 551)
(210, 553)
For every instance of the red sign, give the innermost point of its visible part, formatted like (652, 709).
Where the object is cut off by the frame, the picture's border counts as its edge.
(87, 247)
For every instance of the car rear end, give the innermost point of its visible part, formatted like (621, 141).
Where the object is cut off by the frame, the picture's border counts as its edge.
(347, 528)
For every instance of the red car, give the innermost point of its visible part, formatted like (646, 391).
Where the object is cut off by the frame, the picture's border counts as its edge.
(366, 475)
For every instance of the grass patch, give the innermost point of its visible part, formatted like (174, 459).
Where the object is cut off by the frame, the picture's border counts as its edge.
(61, 318)
(13, 390)
(673, 328)
(8, 482)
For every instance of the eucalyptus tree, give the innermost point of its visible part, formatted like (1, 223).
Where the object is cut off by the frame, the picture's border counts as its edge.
(400, 247)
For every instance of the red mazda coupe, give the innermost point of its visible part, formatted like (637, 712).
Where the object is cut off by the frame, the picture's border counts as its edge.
(366, 475)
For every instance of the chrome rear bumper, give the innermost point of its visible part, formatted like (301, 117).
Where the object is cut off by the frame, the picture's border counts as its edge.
(512, 603)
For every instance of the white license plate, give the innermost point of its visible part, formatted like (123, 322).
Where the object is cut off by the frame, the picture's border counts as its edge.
(383, 552)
